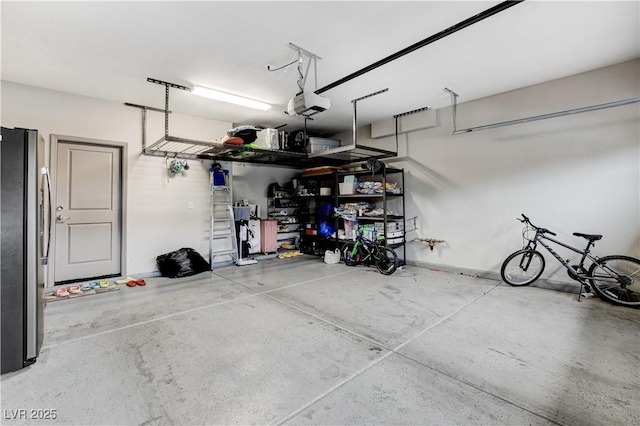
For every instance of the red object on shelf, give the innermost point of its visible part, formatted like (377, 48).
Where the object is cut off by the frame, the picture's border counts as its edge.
(234, 141)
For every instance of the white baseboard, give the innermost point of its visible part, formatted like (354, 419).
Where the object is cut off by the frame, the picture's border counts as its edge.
(567, 287)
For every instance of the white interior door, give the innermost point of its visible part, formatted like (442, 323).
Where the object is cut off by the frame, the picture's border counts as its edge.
(87, 212)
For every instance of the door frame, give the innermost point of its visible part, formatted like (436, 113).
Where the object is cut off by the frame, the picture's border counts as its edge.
(123, 147)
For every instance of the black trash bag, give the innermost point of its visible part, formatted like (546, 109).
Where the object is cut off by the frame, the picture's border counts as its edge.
(181, 263)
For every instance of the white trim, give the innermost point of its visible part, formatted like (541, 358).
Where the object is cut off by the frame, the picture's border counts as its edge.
(124, 167)
(567, 287)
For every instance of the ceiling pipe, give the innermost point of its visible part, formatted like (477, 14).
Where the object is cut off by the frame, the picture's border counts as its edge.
(453, 29)
(590, 108)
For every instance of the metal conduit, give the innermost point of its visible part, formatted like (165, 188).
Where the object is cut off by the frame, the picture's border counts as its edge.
(543, 116)
(444, 33)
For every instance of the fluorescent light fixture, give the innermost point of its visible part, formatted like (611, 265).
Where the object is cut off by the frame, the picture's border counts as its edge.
(227, 97)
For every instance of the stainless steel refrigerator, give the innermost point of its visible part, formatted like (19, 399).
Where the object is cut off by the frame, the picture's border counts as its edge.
(26, 212)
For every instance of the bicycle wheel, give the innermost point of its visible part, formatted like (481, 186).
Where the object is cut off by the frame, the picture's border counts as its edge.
(616, 279)
(349, 258)
(522, 267)
(387, 262)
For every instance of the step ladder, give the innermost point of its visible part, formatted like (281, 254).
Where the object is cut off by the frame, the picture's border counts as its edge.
(222, 235)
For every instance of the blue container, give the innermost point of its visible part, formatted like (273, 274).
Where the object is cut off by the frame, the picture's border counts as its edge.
(220, 177)
(326, 229)
(325, 209)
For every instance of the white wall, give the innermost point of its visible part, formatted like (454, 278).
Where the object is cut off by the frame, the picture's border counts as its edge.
(577, 173)
(251, 182)
(573, 173)
(158, 219)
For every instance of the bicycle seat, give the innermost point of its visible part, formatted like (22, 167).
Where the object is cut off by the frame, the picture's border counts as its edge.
(590, 237)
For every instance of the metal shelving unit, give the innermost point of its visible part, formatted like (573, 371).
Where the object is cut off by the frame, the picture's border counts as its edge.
(311, 214)
(283, 207)
(395, 239)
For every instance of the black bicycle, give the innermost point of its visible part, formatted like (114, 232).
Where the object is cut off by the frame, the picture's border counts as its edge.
(615, 279)
(364, 251)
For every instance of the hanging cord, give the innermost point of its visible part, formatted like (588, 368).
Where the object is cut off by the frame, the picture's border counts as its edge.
(300, 61)
(293, 61)
(300, 74)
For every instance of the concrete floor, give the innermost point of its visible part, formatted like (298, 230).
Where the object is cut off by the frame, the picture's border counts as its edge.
(297, 341)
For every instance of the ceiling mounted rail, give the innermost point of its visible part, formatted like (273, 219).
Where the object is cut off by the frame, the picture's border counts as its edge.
(144, 109)
(148, 108)
(355, 116)
(442, 34)
(411, 112)
(312, 58)
(454, 104)
(366, 151)
(298, 58)
(404, 114)
(166, 99)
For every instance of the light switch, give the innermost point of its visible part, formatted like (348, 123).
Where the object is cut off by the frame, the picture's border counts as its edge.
(190, 205)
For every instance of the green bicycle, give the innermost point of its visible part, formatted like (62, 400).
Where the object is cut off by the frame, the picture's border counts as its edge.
(367, 252)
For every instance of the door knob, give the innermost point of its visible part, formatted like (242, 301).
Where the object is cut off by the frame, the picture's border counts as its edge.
(62, 217)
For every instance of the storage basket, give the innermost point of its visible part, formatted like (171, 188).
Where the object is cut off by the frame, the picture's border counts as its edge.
(347, 188)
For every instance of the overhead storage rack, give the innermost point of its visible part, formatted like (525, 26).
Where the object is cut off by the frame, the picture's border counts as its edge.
(173, 146)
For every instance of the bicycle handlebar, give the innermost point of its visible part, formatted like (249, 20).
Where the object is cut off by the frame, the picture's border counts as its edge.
(541, 230)
(376, 236)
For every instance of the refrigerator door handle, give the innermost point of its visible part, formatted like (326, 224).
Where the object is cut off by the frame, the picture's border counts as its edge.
(47, 179)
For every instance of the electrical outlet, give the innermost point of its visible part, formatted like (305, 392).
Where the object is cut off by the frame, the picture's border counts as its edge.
(190, 205)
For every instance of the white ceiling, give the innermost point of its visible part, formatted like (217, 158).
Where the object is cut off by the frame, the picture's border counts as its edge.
(108, 49)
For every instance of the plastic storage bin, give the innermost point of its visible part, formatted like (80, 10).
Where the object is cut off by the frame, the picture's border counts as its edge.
(321, 144)
(268, 139)
(241, 213)
(347, 188)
